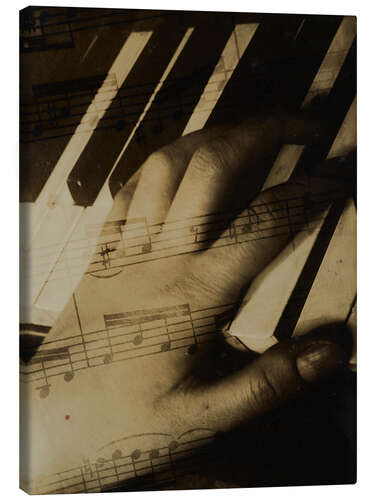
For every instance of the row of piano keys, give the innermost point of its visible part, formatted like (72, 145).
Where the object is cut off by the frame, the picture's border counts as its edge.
(132, 81)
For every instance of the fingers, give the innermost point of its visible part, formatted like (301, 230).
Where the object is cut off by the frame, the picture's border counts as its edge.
(233, 164)
(282, 373)
(259, 233)
(162, 172)
(123, 199)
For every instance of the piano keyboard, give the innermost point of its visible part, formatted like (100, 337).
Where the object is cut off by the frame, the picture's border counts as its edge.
(133, 81)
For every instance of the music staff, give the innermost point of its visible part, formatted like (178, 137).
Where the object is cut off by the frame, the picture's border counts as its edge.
(174, 458)
(128, 242)
(125, 336)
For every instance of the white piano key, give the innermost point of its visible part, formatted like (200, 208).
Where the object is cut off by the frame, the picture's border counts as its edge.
(124, 62)
(52, 219)
(336, 279)
(346, 139)
(284, 165)
(333, 60)
(58, 287)
(230, 57)
(270, 291)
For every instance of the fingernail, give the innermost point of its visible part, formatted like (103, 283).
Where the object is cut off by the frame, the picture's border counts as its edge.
(320, 360)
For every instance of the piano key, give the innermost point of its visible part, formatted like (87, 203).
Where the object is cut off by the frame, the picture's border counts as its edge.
(40, 151)
(276, 70)
(232, 53)
(290, 154)
(55, 190)
(286, 70)
(54, 293)
(333, 60)
(171, 111)
(352, 324)
(336, 279)
(270, 291)
(54, 213)
(317, 263)
(92, 168)
(336, 107)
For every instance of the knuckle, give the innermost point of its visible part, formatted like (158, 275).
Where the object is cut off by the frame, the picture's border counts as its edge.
(157, 161)
(213, 158)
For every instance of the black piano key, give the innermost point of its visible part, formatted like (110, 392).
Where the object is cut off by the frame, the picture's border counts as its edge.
(253, 85)
(177, 99)
(111, 133)
(96, 47)
(173, 104)
(333, 108)
(42, 143)
(278, 67)
(276, 70)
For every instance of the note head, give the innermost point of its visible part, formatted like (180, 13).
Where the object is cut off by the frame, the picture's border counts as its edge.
(116, 455)
(146, 248)
(165, 347)
(135, 454)
(44, 392)
(107, 359)
(68, 376)
(138, 339)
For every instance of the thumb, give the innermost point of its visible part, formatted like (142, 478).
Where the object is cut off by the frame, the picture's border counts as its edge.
(282, 373)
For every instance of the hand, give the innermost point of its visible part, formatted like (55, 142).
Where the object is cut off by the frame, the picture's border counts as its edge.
(150, 324)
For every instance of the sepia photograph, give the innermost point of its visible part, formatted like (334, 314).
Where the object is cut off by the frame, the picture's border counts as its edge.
(188, 249)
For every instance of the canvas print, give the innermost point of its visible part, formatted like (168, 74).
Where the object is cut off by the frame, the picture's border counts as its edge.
(188, 249)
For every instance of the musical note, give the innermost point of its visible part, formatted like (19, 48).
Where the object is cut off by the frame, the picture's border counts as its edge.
(147, 247)
(36, 34)
(68, 376)
(166, 346)
(138, 339)
(108, 358)
(116, 455)
(135, 455)
(44, 391)
(105, 254)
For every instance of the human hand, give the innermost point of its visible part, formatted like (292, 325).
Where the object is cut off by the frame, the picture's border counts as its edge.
(151, 376)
